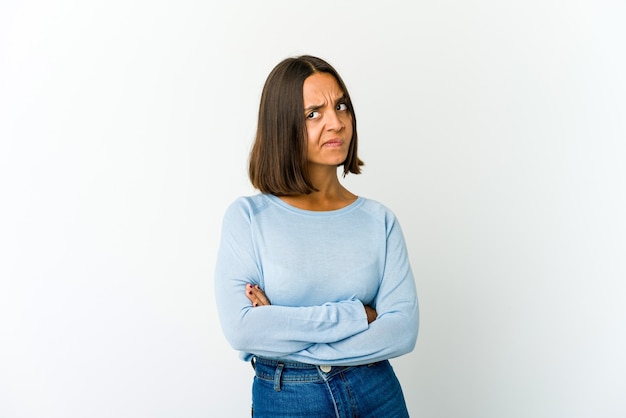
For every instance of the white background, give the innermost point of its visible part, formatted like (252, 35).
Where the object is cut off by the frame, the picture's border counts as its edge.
(494, 129)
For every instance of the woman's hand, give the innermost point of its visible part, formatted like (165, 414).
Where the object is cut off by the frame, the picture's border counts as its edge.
(256, 295)
(371, 314)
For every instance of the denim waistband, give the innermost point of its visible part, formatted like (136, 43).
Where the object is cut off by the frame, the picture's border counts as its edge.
(280, 371)
(288, 364)
(294, 371)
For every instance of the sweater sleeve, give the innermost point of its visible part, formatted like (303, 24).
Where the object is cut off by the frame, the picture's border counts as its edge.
(394, 332)
(271, 331)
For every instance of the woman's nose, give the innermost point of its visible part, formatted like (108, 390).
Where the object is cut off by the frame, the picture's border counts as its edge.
(333, 121)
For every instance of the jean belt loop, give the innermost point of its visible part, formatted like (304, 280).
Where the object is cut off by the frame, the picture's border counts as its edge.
(253, 362)
(277, 376)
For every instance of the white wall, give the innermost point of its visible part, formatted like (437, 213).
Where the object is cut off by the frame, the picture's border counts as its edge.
(495, 130)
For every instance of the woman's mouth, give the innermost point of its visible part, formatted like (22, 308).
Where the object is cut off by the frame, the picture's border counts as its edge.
(333, 143)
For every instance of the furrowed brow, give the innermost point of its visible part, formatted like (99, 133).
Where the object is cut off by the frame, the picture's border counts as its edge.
(313, 108)
(343, 98)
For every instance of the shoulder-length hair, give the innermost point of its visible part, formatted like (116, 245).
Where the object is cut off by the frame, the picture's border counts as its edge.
(278, 160)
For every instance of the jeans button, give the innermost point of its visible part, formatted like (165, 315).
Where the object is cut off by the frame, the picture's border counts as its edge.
(325, 369)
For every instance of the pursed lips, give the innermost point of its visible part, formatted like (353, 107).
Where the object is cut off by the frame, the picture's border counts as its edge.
(333, 143)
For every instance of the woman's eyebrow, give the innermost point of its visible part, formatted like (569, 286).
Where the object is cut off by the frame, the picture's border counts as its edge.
(312, 108)
(317, 107)
(341, 98)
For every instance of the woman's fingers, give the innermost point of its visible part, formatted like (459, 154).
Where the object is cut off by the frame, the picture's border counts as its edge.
(251, 295)
(263, 300)
(256, 295)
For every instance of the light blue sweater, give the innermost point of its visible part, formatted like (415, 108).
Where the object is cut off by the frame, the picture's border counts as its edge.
(318, 269)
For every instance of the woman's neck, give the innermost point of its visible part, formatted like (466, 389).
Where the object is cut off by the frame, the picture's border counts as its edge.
(330, 195)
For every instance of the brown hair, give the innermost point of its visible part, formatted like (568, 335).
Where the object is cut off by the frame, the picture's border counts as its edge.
(278, 160)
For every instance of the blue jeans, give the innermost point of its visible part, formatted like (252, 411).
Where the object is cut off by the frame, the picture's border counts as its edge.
(292, 389)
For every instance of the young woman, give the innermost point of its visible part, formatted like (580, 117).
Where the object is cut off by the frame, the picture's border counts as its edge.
(313, 283)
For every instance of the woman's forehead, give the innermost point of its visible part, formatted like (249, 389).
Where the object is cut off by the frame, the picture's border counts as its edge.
(321, 88)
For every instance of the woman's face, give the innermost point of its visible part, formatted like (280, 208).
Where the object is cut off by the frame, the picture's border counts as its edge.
(328, 120)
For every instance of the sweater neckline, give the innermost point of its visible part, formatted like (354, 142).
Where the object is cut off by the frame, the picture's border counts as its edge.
(278, 201)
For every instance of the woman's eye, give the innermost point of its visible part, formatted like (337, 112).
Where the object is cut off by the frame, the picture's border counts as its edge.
(313, 115)
(342, 106)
